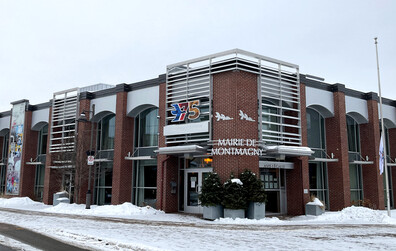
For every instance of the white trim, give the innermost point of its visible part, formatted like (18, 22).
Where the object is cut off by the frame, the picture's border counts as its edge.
(182, 129)
(139, 158)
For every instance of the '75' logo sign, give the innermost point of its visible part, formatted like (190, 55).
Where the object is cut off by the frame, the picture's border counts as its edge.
(181, 110)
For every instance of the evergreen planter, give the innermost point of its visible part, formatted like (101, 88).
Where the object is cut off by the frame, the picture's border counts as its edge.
(234, 213)
(213, 212)
(256, 210)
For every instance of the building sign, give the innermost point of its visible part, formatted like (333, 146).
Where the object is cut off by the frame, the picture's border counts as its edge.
(246, 147)
(180, 110)
(90, 160)
(276, 164)
(15, 149)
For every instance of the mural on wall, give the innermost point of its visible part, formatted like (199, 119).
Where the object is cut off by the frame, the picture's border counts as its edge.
(15, 149)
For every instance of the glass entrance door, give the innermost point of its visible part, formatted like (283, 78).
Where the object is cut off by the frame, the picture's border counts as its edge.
(192, 187)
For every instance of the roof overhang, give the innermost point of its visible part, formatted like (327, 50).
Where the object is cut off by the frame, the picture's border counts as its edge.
(291, 151)
(323, 160)
(140, 158)
(178, 150)
(361, 162)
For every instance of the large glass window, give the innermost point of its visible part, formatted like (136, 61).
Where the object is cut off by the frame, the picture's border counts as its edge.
(40, 169)
(355, 170)
(270, 118)
(106, 133)
(146, 128)
(316, 130)
(355, 176)
(103, 183)
(145, 183)
(145, 171)
(353, 135)
(104, 170)
(318, 185)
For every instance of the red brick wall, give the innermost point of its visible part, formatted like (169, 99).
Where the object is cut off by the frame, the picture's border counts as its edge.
(369, 140)
(234, 91)
(123, 143)
(167, 170)
(83, 145)
(30, 141)
(298, 179)
(337, 143)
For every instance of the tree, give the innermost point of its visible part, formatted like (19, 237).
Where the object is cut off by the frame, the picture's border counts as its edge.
(212, 191)
(253, 187)
(234, 195)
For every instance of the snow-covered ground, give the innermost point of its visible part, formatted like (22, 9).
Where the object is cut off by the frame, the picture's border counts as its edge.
(127, 227)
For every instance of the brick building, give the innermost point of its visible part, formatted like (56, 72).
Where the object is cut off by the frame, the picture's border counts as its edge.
(154, 141)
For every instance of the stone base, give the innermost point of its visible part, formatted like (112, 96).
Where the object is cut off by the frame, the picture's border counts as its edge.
(313, 210)
(213, 212)
(234, 213)
(256, 210)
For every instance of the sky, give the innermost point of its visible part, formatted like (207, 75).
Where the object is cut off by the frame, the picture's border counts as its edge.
(51, 46)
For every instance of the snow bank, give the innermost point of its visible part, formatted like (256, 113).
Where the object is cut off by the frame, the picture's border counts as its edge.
(351, 215)
(126, 209)
(239, 221)
(19, 202)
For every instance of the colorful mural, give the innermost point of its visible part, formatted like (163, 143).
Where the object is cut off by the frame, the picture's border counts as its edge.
(15, 149)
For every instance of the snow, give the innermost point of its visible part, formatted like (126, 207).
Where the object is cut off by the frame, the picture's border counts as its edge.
(316, 202)
(238, 181)
(128, 227)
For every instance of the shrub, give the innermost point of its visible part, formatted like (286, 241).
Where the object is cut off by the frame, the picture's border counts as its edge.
(253, 187)
(234, 195)
(212, 191)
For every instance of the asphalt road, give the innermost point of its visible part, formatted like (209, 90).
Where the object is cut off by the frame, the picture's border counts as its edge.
(34, 239)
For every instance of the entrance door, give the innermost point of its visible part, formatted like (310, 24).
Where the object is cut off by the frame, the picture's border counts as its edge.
(275, 189)
(192, 187)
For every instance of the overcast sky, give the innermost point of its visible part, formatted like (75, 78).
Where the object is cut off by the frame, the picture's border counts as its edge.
(50, 46)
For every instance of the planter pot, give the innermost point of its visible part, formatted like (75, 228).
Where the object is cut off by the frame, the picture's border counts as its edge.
(234, 213)
(256, 210)
(313, 210)
(213, 212)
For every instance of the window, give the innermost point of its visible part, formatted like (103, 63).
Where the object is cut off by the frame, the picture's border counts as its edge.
(40, 169)
(355, 170)
(103, 183)
(353, 135)
(270, 118)
(316, 131)
(106, 133)
(145, 183)
(145, 171)
(318, 185)
(104, 170)
(146, 128)
(355, 176)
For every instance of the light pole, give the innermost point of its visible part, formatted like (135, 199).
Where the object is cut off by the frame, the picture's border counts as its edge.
(83, 118)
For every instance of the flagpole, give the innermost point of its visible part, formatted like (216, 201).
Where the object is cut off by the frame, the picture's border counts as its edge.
(383, 132)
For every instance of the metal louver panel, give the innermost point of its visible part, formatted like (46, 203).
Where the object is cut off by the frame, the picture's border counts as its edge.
(280, 106)
(63, 121)
(279, 93)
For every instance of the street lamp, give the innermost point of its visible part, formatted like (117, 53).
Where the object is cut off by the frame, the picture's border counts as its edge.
(83, 118)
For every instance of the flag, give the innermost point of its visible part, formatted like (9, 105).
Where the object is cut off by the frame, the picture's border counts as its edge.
(381, 155)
